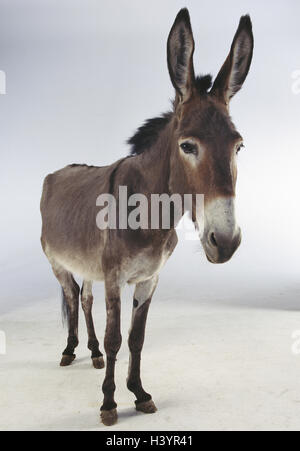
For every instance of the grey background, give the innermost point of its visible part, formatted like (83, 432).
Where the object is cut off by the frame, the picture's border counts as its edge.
(82, 75)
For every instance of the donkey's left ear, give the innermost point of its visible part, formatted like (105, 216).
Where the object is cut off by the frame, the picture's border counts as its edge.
(234, 71)
(180, 55)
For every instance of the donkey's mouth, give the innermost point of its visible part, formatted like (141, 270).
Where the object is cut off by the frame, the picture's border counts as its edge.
(217, 254)
(218, 260)
(215, 261)
(209, 259)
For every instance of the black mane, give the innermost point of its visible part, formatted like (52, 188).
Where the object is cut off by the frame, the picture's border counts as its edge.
(147, 134)
(203, 83)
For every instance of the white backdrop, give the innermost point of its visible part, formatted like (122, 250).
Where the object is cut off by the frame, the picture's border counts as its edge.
(81, 77)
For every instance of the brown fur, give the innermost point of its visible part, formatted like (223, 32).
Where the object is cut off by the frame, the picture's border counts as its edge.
(74, 244)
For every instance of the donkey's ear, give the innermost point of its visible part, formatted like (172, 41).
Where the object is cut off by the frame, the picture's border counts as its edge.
(180, 55)
(236, 67)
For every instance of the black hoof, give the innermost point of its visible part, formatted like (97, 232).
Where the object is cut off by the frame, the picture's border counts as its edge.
(146, 406)
(67, 360)
(109, 417)
(98, 363)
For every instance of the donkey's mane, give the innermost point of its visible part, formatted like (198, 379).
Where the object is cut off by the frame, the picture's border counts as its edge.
(203, 83)
(147, 134)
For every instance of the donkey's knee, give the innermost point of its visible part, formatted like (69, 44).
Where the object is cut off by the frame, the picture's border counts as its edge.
(112, 344)
(135, 346)
(113, 337)
(87, 301)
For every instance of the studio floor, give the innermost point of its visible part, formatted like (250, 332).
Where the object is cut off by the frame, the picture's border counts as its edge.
(216, 364)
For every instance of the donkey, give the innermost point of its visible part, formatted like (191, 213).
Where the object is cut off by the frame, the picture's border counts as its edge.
(191, 149)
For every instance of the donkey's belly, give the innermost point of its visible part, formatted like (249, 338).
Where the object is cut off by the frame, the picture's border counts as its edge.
(134, 270)
(76, 263)
(86, 270)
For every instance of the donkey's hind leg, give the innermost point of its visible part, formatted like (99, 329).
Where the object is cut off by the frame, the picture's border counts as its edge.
(70, 291)
(93, 343)
(141, 303)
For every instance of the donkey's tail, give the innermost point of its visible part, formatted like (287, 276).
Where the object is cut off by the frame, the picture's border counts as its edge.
(65, 313)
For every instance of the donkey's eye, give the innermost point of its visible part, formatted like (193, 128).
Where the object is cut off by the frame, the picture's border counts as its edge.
(239, 148)
(188, 147)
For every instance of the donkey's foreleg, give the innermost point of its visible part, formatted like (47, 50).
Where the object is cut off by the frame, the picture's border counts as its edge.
(93, 343)
(71, 299)
(112, 343)
(142, 299)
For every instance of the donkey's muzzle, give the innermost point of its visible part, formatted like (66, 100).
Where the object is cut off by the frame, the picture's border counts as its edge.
(221, 236)
(219, 248)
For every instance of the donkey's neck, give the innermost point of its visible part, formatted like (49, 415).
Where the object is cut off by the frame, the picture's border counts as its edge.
(154, 162)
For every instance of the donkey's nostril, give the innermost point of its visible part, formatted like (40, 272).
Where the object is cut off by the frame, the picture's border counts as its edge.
(213, 240)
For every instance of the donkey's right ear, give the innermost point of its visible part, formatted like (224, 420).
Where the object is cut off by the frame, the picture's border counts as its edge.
(180, 55)
(234, 71)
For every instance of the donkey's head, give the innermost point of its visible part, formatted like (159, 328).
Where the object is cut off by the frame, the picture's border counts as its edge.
(206, 143)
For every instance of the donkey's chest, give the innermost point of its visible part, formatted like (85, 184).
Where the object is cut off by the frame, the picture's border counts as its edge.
(145, 264)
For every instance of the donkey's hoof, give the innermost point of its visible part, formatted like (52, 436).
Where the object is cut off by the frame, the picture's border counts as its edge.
(146, 406)
(109, 417)
(67, 360)
(98, 363)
